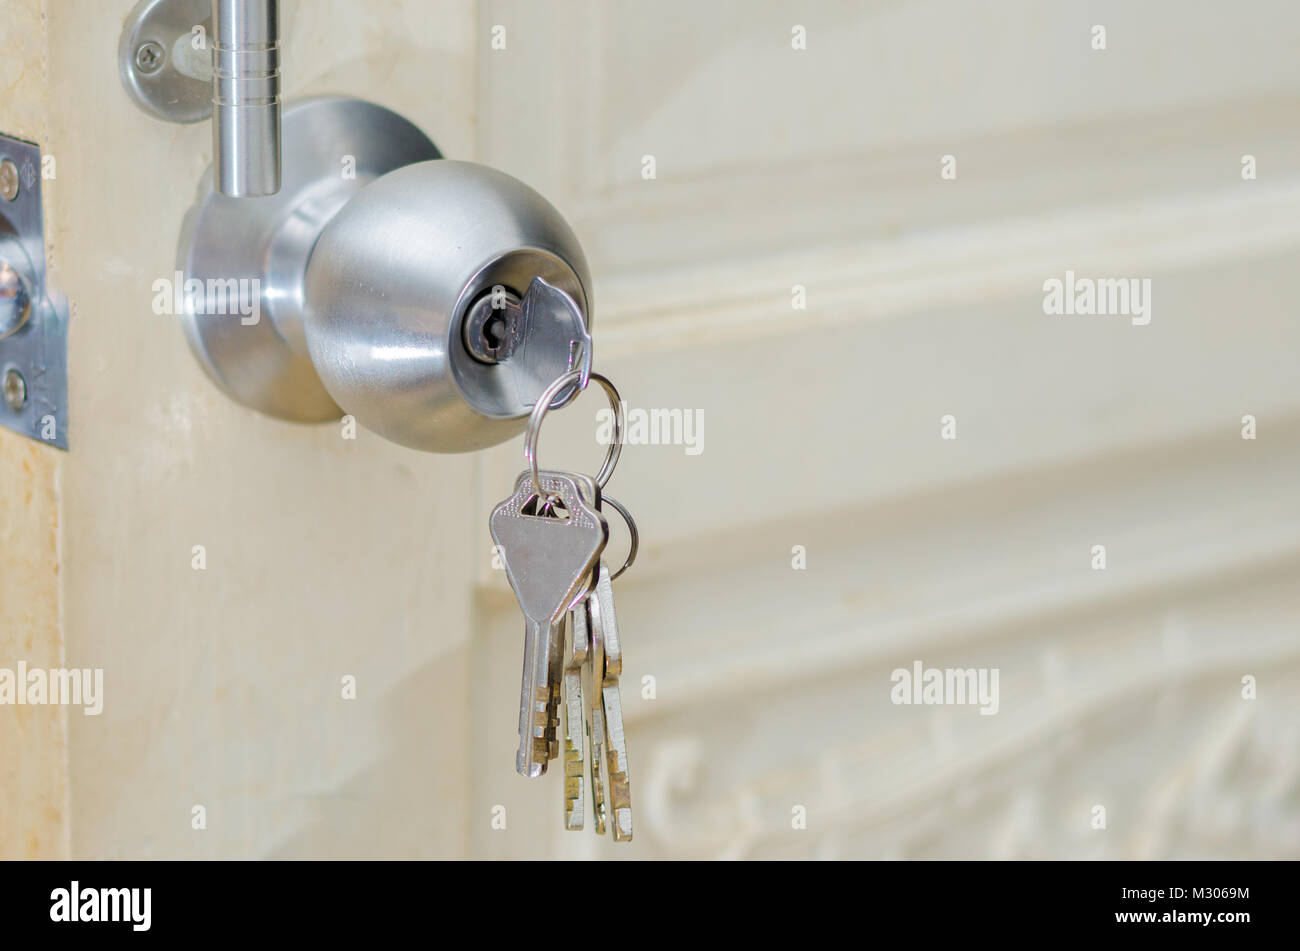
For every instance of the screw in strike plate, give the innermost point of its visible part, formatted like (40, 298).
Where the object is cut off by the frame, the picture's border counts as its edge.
(149, 57)
(15, 388)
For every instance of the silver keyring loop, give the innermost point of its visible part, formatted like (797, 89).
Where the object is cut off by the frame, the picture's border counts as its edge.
(539, 412)
(617, 506)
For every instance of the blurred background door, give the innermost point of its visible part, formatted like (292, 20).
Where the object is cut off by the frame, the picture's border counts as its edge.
(821, 232)
(853, 212)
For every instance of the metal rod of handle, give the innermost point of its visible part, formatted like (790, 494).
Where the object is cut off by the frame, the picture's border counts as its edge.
(246, 97)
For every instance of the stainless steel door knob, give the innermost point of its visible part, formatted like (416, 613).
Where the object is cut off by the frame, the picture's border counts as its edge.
(390, 284)
(366, 285)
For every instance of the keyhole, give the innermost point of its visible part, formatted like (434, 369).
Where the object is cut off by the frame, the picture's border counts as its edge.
(494, 330)
(486, 328)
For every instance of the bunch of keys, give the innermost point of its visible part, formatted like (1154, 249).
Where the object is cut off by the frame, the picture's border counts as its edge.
(551, 534)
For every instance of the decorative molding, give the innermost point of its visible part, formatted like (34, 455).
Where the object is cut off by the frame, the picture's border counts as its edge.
(731, 301)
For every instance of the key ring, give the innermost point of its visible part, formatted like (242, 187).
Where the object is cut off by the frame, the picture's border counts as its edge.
(617, 506)
(535, 428)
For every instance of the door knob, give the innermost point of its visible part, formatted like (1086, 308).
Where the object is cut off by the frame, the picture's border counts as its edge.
(425, 297)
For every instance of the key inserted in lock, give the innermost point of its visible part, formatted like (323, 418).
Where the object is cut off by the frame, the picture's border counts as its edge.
(536, 339)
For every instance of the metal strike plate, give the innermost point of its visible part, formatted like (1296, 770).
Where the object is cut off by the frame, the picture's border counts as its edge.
(34, 332)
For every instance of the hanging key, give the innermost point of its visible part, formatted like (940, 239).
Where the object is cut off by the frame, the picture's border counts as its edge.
(593, 677)
(603, 592)
(604, 628)
(580, 660)
(554, 661)
(608, 699)
(576, 644)
(550, 544)
(609, 760)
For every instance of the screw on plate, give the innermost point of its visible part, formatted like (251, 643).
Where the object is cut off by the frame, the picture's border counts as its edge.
(149, 56)
(8, 179)
(15, 388)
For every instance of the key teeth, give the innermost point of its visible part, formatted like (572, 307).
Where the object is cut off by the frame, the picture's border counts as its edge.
(620, 793)
(573, 817)
(623, 824)
(553, 723)
(535, 765)
(530, 770)
(539, 741)
(573, 793)
(597, 794)
(597, 781)
(573, 750)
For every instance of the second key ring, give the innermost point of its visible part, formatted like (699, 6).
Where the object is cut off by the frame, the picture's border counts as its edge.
(634, 537)
(539, 412)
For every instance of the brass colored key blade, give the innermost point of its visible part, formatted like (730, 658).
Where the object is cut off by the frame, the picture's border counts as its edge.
(603, 593)
(595, 717)
(620, 793)
(573, 748)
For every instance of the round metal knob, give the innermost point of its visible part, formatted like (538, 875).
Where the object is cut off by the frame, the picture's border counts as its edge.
(367, 285)
(15, 300)
(389, 285)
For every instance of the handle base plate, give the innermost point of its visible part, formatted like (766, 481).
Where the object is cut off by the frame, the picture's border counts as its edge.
(241, 262)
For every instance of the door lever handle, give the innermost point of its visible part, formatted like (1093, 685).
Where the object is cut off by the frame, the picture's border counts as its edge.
(246, 97)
